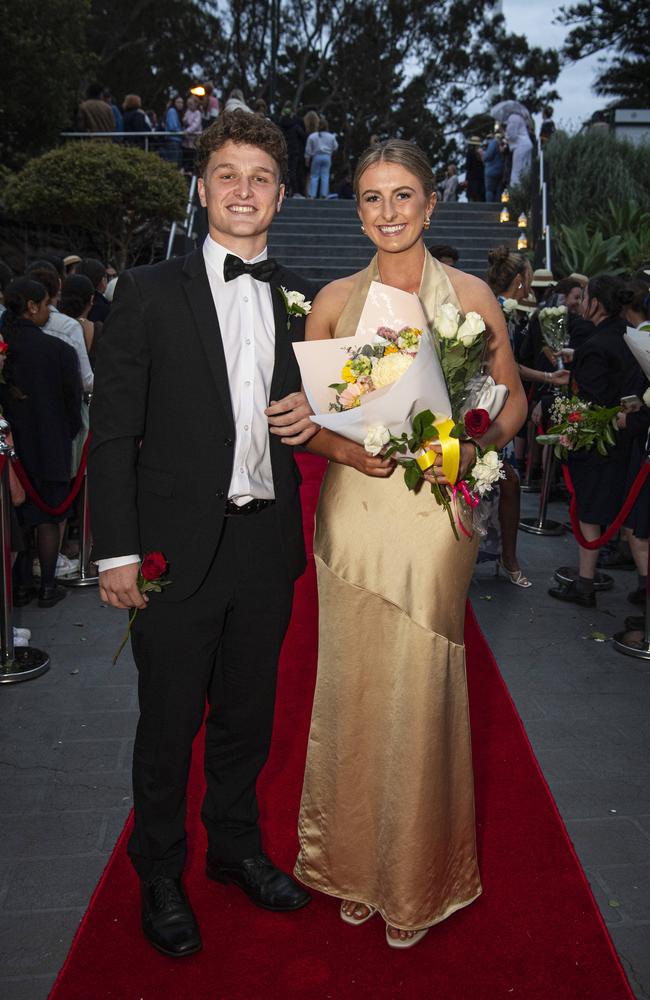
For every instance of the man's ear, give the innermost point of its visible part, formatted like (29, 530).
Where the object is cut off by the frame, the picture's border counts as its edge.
(201, 189)
(281, 193)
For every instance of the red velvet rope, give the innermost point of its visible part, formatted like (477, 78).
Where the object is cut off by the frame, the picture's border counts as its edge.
(621, 517)
(69, 500)
(3, 459)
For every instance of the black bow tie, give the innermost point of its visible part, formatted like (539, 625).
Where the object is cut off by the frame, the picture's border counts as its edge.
(233, 267)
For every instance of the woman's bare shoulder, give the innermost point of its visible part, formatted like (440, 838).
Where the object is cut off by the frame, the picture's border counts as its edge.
(328, 306)
(473, 293)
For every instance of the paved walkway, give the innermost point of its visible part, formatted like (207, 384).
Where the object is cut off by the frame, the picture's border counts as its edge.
(65, 743)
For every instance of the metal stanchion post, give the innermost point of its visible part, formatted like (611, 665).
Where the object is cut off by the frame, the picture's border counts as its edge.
(528, 486)
(25, 662)
(540, 525)
(87, 575)
(635, 642)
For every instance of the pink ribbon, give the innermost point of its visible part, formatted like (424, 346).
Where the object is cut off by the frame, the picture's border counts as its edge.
(471, 499)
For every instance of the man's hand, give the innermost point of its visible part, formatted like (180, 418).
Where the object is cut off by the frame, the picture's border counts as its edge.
(358, 458)
(560, 377)
(289, 419)
(119, 587)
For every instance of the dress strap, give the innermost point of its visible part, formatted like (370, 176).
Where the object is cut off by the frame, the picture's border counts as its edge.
(349, 318)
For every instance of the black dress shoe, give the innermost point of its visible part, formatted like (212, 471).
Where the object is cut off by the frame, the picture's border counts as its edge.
(49, 596)
(23, 595)
(168, 920)
(637, 596)
(264, 884)
(569, 592)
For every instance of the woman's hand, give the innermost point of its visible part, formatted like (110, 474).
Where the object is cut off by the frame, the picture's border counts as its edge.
(561, 377)
(621, 420)
(289, 419)
(358, 458)
(468, 455)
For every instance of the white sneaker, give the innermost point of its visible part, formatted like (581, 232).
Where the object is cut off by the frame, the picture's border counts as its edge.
(23, 633)
(64, 566)
(20, 640)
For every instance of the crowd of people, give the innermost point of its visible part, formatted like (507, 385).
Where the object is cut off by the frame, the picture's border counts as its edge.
(51, 320)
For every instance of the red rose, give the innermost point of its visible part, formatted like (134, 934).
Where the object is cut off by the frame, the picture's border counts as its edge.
(4, 346)
(477, 422)
(574, 418)
(154, 565)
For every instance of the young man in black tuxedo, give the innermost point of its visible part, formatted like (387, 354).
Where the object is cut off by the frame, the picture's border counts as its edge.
(188, 458)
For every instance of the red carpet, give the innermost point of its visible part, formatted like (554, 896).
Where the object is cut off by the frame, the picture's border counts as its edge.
(534, 934)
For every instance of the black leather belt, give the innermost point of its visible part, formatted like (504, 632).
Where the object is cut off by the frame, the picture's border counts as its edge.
(252, 507)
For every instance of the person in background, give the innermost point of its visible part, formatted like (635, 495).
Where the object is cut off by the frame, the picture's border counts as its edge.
(210, 105)
(135, 119)
(173, 123)
(521, 146)
(192, 127)
(5, 279)
(117, 114)
(318, 155)
(260, 107)
(236, 101)
(293, 129)
(474, 176)
(445, 254)
(41, 399)
(77, 294)
(96, 271)
(547, 128)
(70, 263)
(493, 166)
(59, 323)
(604, 370)
(94, 113)
(449, 186)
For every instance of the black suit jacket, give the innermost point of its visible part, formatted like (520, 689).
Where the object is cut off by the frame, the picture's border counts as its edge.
(162, 430)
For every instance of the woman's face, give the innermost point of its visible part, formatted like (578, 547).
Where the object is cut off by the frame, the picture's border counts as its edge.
(178, 103)
(38, 312)
(573, 300)
(392, 206)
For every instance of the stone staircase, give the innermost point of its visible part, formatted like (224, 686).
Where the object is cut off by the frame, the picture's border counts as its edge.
(322, 240)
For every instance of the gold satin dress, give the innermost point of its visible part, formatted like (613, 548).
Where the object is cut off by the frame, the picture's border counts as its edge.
(387, 810)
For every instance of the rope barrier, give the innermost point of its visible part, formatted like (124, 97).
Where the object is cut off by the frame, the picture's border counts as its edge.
(35, 498)
(620, 518)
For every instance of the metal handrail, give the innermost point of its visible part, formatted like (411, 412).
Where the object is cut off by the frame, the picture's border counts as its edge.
(152, 136)
(546, 225)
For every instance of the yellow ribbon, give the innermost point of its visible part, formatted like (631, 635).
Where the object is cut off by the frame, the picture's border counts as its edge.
(450, 451)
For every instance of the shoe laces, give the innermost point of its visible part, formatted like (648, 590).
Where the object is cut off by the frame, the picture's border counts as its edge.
(165, 891)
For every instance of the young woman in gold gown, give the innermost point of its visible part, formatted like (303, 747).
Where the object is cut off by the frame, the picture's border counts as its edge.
(387, 814)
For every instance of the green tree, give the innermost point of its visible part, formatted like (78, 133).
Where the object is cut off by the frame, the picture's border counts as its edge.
(122, 196)
(622, 27)
(43, 56)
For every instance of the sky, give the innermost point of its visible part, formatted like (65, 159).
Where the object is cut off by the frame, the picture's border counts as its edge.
(534, 18)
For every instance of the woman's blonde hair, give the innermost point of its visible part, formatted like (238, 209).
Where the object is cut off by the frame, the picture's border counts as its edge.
(406, 154)
(132, 101)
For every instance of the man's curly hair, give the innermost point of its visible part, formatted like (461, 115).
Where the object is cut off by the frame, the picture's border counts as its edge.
(242, 128)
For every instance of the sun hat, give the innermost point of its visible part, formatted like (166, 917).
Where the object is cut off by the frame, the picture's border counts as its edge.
(542, 278)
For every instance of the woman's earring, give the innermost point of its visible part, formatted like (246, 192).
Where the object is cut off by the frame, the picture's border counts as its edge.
(427, 222)
(363, 228)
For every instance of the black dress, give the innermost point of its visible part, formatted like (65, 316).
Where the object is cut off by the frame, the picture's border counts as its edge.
(638, 425)
(42, 402)
(604, 370)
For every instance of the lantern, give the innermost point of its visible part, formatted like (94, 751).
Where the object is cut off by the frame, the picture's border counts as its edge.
(198, 91)
(505, 197)
(522, 242)
(505, 215)
(522, 221)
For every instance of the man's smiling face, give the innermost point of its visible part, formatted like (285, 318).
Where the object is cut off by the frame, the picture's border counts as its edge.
(242, 192)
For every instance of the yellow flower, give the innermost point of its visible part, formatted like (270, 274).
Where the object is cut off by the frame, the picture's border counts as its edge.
(391, 349)
(348, 375)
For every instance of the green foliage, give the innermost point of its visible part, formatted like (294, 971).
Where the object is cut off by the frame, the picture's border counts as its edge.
(43, 56)
(587, 252)
(121, 195)
(622, 29)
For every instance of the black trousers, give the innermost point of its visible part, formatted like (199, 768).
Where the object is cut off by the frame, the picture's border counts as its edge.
(222, 644)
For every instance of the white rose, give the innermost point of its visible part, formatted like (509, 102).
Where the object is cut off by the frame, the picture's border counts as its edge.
(446, 321)
(390, 368)
(646, 397)
(509, 305)
(487, 471)
(376, 439)
(296, 299)
(472, 328)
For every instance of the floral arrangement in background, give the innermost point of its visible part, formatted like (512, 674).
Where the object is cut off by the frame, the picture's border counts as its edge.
(577, 426)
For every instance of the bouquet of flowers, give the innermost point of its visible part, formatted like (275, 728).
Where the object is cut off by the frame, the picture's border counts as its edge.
(405, 389)
(578, 426)
(554, 323)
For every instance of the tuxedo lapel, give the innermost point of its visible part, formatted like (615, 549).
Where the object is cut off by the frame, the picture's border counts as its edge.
(199, 295)
(283, 348)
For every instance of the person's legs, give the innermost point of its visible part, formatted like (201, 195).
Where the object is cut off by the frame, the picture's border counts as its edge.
(325, 168)
(313, 179)
(490, 188)
(242, 691)
(509, 509)
(588, 557)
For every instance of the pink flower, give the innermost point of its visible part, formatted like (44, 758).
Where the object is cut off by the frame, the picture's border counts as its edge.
(565, 440)
(350, 395)
(387, 333)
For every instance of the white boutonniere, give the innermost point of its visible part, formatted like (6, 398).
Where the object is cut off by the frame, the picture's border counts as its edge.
(295, 303)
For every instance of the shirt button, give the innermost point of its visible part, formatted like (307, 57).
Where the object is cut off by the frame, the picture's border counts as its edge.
(245, 427)
(228, 442)
(242, 470)
(248, 341)
(245, 298)
(247, 383)
(220, 494)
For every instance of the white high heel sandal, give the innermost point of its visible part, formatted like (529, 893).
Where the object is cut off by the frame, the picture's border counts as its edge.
(514, 576)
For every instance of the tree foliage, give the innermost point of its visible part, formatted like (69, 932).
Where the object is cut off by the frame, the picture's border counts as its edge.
(622, 26)
(120, 195)
(43, 57)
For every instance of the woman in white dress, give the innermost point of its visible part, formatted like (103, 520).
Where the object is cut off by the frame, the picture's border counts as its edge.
(521, 146)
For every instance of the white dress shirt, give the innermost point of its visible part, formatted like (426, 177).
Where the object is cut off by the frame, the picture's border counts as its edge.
(69, 330)
(244, 309)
